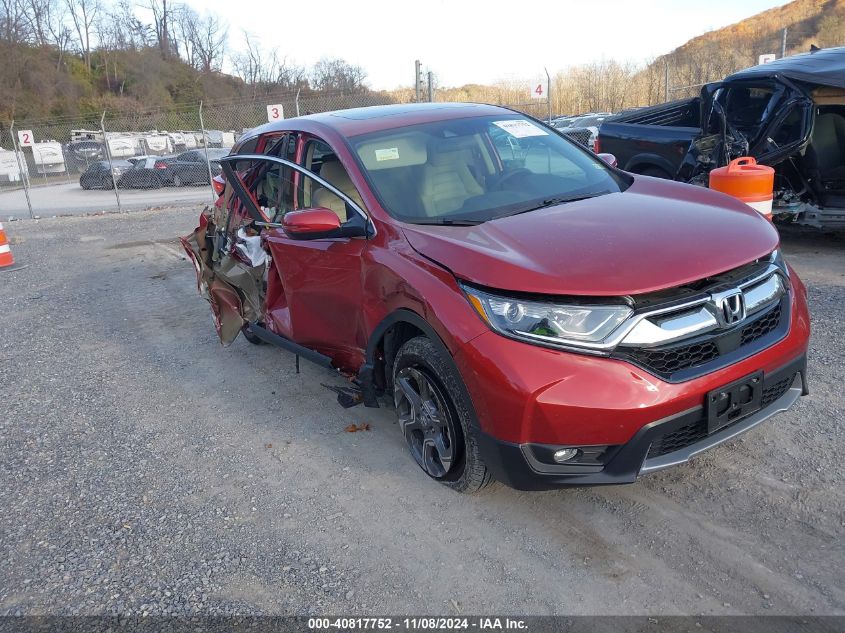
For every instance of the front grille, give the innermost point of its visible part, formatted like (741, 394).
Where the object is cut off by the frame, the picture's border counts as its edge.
(761, 327)
(775, 391)
(697, 430)
(679, 439)
(581, 135)
(667, 361)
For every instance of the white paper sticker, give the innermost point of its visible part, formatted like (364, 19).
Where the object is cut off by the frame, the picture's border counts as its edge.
(520, 128)
(388, 153)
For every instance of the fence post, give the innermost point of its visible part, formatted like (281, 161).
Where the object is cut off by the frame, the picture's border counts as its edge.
(111, 166)
(297, 101)
(24, 175)
(207, 161)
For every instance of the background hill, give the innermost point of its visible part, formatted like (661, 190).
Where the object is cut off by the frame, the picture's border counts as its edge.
(76, 58)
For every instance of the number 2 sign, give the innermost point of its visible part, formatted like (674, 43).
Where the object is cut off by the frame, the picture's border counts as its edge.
(25, 138)
(275, 112)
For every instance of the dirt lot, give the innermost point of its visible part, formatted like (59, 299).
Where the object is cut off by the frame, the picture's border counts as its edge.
(147, 469)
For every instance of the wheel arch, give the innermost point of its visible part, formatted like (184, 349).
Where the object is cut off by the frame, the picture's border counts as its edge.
(387, 337)
(641, 162)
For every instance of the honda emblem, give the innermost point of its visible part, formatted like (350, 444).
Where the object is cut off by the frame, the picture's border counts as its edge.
(729, 307)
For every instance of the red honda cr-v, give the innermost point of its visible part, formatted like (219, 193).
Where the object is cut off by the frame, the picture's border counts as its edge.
(534, 314)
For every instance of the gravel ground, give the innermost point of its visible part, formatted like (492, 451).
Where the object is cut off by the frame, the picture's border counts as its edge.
(146, 469)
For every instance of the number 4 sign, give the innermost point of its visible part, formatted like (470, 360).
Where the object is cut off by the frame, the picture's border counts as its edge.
(25, 138)
(275, 112)
(539, 91)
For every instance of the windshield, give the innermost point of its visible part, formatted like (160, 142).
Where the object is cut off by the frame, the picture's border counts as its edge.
(478, 169)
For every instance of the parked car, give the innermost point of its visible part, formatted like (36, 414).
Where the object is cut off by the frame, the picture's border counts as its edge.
(147, 173)
(99, 174)
(543, 320)
(789, 114)
(190, 168)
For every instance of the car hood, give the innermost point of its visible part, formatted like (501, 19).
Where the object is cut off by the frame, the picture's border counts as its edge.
(655, 235)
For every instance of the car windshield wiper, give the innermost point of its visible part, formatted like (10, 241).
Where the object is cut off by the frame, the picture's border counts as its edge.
(451, 222)
(550, 202)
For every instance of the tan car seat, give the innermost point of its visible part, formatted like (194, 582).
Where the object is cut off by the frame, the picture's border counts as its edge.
(335, 173)
(447, 181)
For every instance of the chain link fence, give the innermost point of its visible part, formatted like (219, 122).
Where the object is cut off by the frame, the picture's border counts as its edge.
(121, 162)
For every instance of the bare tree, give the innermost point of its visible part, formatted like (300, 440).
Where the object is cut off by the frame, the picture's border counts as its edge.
(203, 39)
(162, 17)
(14, 26)
(265, 71)
(338, 74)
(83, 14)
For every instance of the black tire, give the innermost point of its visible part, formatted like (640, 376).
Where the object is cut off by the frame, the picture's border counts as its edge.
(448, 419)
(84, 185)
(656, 172)
(108, 184)
(248, 335)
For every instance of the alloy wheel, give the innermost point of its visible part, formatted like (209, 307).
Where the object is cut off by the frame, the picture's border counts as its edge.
(426, 420)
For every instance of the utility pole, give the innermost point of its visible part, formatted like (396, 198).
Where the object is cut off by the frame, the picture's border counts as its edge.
(418, 80)
(548, 94)
(666, 79)
(430, 86)
(783, 43)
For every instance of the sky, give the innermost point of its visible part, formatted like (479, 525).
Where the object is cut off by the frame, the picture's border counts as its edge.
(473, 41)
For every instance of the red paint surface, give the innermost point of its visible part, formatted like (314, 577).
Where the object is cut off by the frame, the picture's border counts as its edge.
(331, 294)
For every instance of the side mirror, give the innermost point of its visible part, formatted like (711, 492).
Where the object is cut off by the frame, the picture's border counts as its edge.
(311, 224)
(610, 159)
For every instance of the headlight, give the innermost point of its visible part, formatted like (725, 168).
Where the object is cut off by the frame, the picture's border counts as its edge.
(545, 322)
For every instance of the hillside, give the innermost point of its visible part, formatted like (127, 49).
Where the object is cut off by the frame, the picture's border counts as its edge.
(713, 55)
(46, 76)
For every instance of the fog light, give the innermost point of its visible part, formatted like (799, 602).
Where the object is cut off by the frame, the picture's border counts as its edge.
(565, 454)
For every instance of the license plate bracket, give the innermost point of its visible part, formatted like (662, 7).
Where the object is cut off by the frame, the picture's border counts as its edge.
(728, 404)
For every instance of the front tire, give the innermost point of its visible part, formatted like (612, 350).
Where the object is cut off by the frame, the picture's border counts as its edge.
(435, 416)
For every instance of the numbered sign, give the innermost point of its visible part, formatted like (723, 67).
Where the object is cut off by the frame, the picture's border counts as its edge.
(275, 112)
(538, 90)
(25, 138)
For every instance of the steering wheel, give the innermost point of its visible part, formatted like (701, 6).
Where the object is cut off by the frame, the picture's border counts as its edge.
(510, 175)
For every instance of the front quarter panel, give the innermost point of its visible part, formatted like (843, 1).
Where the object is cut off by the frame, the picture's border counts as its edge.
(396, 277)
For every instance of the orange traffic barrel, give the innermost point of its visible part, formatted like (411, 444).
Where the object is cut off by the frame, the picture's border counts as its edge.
(744, 179)
(7, 262)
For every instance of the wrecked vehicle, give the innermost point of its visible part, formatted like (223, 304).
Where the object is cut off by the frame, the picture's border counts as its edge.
(518, 310)
(788, 114)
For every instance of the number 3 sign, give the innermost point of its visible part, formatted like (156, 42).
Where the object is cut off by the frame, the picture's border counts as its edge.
(25, 138)
(275, 112)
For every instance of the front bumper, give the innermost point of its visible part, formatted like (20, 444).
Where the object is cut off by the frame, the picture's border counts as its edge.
(658, 445)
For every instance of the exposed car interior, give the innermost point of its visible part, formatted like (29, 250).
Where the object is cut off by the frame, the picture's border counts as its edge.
(827, 145)
(477, 170)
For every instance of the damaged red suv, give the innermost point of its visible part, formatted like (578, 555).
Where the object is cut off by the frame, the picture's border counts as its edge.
(533, 314)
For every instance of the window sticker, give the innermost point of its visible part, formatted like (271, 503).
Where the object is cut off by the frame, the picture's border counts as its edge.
(520, 128)
(388, 153)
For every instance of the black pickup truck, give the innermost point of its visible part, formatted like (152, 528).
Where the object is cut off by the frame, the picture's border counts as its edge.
(789, 114)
